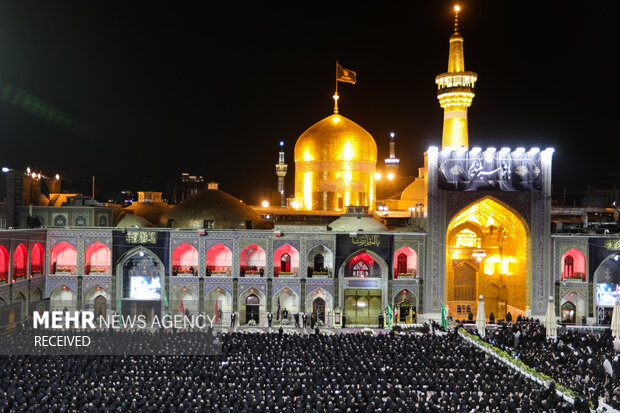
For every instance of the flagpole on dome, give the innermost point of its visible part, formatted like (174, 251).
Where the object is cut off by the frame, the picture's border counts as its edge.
(336, 97)
(342, 75)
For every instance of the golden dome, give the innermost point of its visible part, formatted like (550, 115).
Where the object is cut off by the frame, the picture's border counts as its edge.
(335, 162)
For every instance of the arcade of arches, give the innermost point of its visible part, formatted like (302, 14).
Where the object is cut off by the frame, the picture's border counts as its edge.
(487, 255)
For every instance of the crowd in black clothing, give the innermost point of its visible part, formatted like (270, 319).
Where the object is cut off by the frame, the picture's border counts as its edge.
(283, 373)
(584, 362)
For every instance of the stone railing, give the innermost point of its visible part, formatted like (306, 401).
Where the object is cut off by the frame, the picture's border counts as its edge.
(64, 269)
(97, 270)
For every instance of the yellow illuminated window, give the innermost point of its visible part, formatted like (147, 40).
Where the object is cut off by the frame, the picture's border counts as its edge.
(492, 264)
(466, 238)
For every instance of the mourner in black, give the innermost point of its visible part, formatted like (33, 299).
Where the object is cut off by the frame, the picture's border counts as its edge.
(264, 372)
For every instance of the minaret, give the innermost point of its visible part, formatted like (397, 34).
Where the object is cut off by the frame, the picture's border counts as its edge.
(455, 91)
(281, 172)
(391, 163)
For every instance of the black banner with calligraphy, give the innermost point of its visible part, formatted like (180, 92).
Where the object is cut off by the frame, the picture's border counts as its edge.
(347, 245)
(155, 241)
(498, 170)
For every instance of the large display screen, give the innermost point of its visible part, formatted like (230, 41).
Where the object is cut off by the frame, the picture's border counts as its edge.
(606, 294)
(145, 288)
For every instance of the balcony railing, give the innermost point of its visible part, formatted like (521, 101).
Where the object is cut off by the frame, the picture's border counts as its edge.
(293, 273)
(320, 273)
(19, 273)
(253, 271)
(97, 270)
(36, 270)
(218, 271)
(412, 273)
(184, 270)
(578, 276)
(3, 277)
(64, 269)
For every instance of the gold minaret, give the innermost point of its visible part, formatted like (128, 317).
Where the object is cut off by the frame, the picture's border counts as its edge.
(455, 91)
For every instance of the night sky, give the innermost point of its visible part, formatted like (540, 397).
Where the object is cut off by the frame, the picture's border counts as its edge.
(149, 90)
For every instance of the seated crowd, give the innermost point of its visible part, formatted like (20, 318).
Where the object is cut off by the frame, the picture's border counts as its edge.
(279, 372)
(584, 362)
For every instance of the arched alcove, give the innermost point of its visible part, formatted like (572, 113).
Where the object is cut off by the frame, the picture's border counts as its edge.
(37, 257)
(487, 254)
(252, 260)
(97, 259)
(4, 264)
(185, 260)
(286, 261)
(320, 259)
(63, 258)
(20, 262)
(62, 298)
(218, 301)
(362, 265)
(219, 260)
(405, 263)
(142, 275)
(573, 264)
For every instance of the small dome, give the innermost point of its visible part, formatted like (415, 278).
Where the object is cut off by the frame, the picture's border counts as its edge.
(151, 211)
(224, 210)
(132, 221)
(354, 223)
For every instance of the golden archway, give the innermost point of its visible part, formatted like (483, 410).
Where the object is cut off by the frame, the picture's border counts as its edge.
(487, 254)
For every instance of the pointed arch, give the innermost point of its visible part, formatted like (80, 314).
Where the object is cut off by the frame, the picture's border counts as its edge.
(405, 302)
(494, 240)
(97, 259)
(363, 264)
(35, 295)
(607, 281)
(218, 301)
(286, 261)
(4, 264)
(252, 259)
(219, 260)
(37, 257)
(63, 258)
(579, 303)
(320, 261)
(144, 267)
(62, 298)
(322, 293)
(185, 260)
(243, 308)
(190, 300)
(573, 264)
(20, 262)
(289, 299)
(405, 262)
